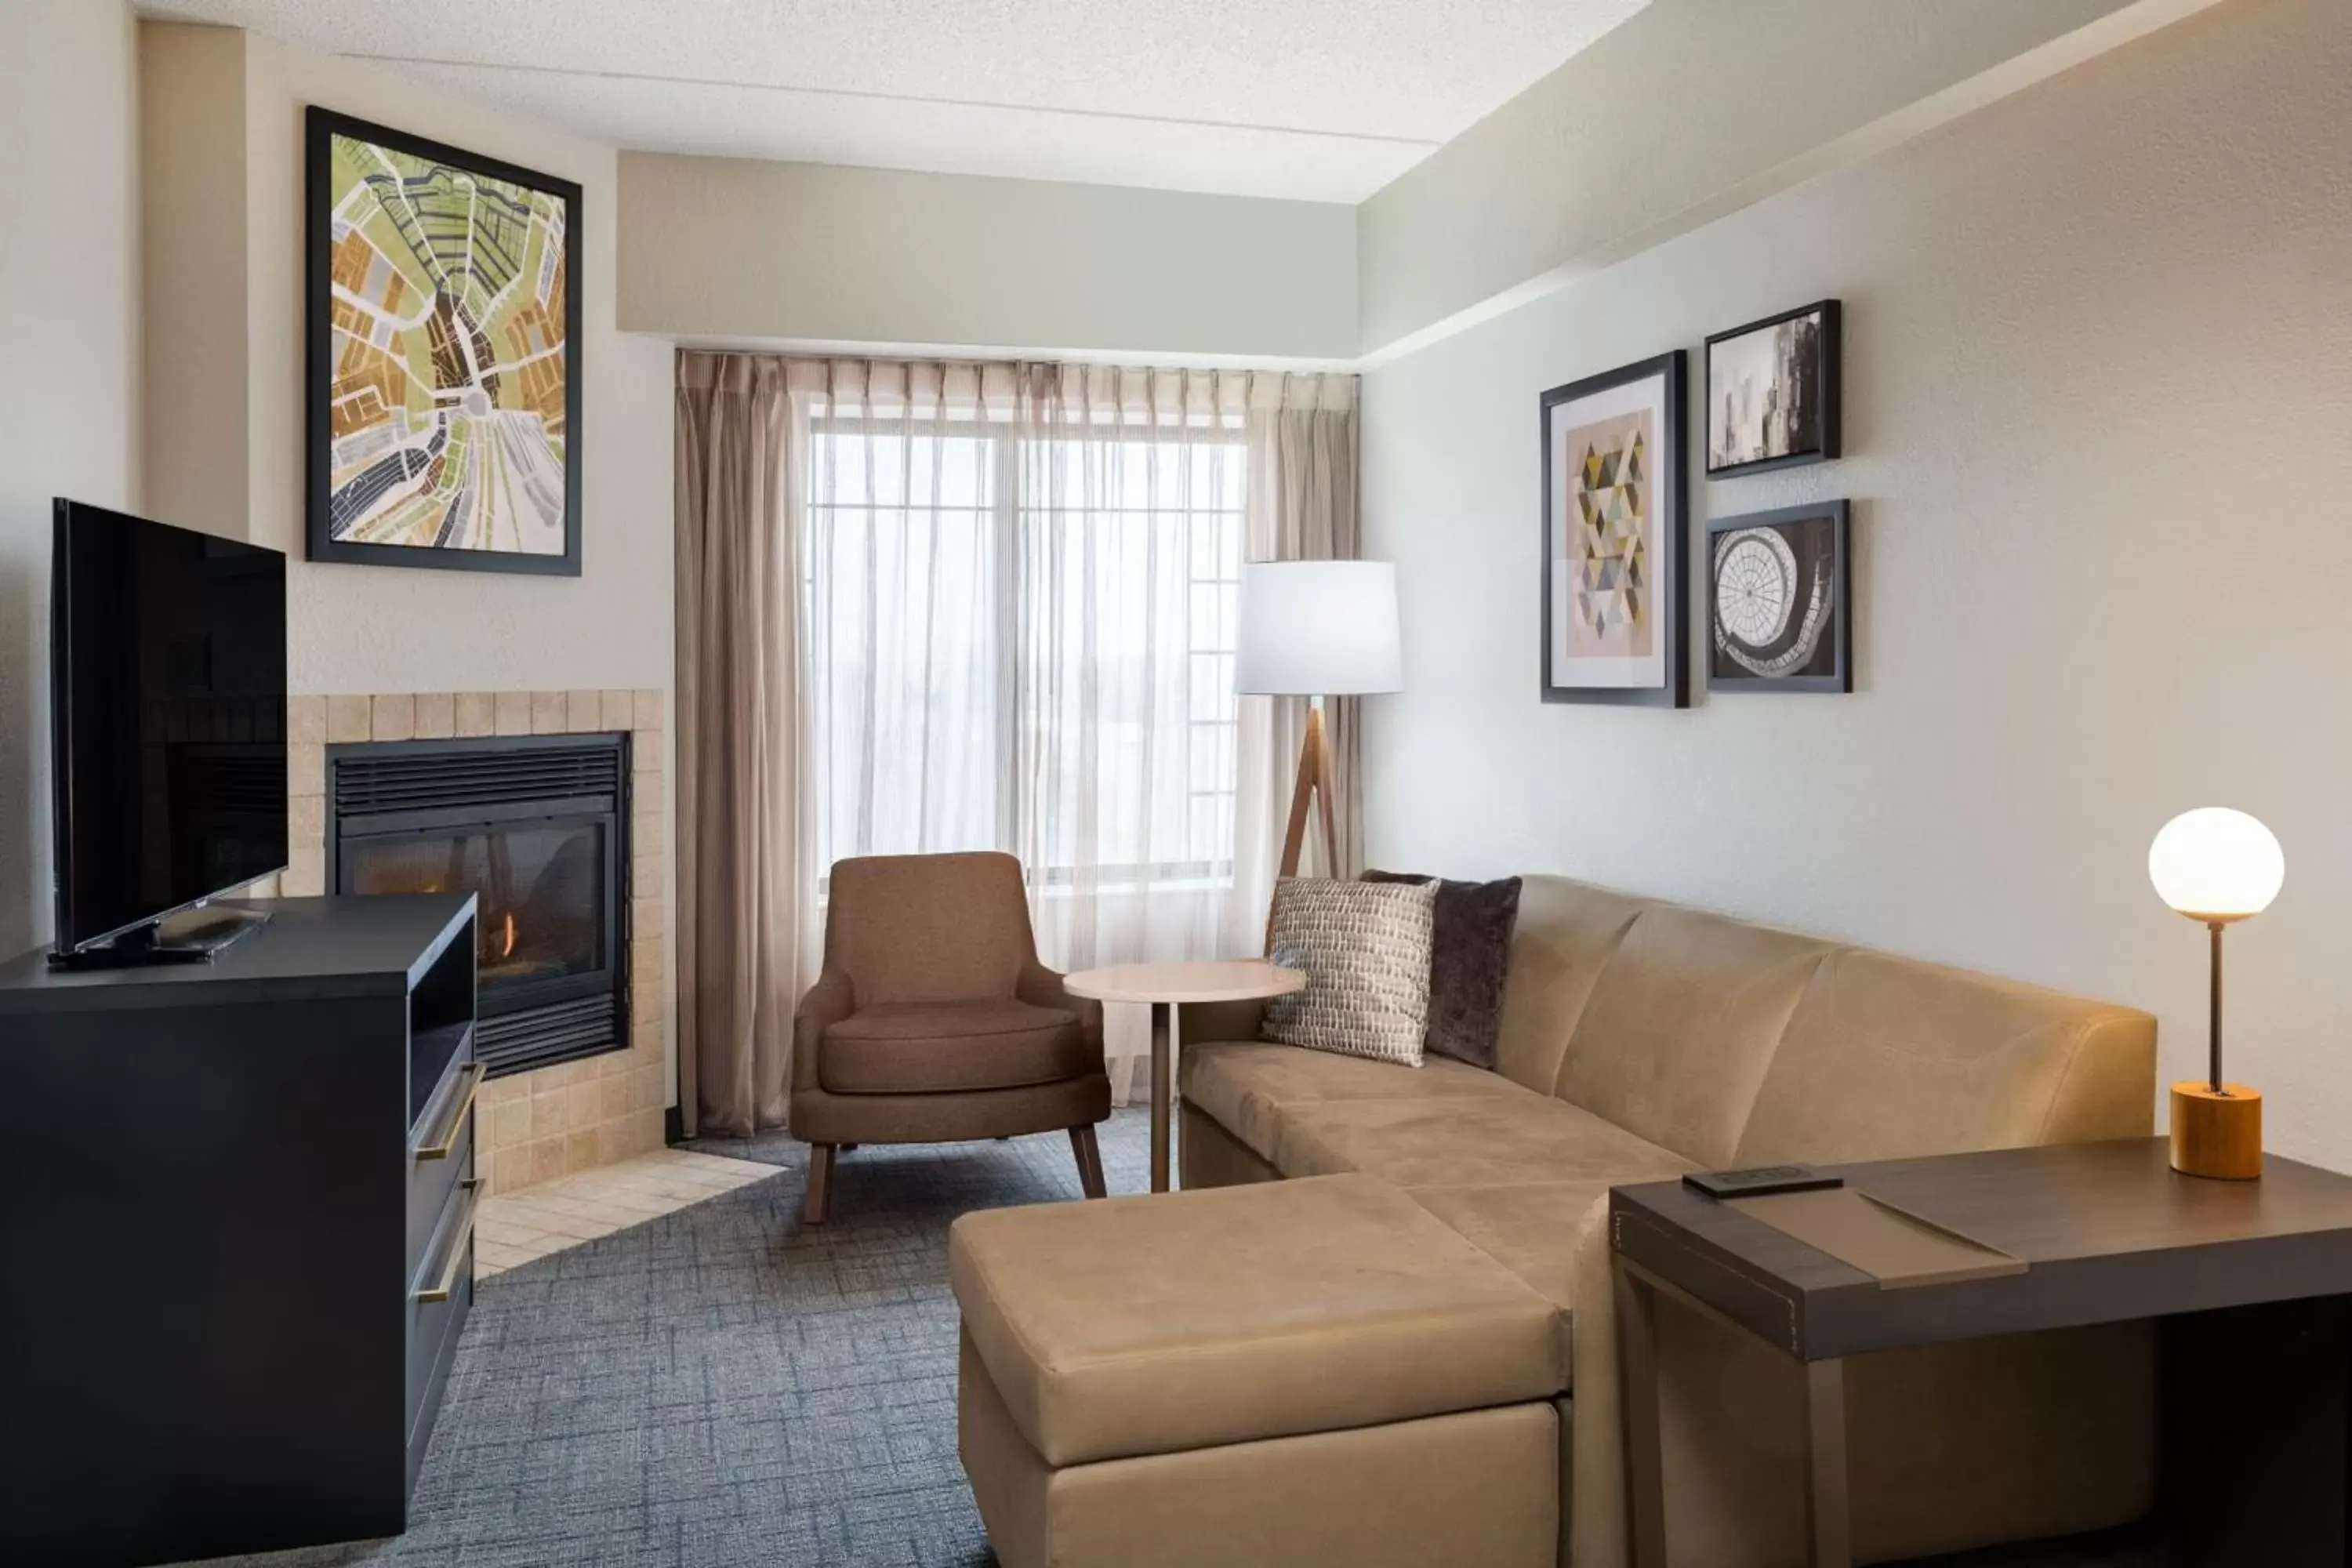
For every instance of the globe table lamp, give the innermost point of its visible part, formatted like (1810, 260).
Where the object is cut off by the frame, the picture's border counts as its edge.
(1316, 629)
(2216, 866)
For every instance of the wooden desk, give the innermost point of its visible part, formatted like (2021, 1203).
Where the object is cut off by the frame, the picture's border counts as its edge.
(2252, 1282)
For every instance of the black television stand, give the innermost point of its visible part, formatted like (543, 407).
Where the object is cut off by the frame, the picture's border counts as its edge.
(231, 1332)
(194, 936)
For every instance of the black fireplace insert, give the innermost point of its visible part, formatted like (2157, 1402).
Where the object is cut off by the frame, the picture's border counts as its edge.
(535, 828)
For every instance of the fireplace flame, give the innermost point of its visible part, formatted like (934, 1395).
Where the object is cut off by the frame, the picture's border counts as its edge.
(508, 951)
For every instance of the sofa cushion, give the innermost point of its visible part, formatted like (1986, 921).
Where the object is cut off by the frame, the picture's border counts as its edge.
(1475, 1487)
(1886, 1058)
(1564, 932)
(937, 1047)
(1243, 1084)
(1681, 1025)
(1151, 1325)
(1466, 1140)
(1532, 1229)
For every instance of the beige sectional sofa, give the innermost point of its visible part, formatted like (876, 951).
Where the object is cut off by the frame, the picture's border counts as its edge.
(1641, 1039)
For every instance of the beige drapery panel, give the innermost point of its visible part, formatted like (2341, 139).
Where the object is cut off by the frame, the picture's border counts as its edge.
(1305, 506)
(739, 865)
(748, 464)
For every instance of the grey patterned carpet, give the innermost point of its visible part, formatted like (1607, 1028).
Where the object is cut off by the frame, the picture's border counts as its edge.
(720, 1387)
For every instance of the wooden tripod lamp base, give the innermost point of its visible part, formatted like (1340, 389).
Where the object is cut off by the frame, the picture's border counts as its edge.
(2217, 1134)
(1313, 780)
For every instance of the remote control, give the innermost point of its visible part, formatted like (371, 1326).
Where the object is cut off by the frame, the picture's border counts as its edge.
(1759, 1180)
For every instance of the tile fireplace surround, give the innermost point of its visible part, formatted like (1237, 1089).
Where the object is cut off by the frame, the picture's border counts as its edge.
(573, 1116)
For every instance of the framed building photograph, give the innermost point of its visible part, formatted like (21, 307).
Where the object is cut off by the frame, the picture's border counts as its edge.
(1772, 392)
(1780, 601)
(443, 386)
(1613, 525)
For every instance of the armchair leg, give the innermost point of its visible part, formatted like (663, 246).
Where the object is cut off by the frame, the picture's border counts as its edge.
(1089, 1157)
(820, 1185)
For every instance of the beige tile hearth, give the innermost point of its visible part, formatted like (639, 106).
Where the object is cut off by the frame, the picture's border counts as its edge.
(512, 1228)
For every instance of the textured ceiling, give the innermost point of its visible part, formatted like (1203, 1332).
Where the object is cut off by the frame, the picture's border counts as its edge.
(1322, 100)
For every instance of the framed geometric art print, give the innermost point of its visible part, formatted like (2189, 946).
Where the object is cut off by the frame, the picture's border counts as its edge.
(1772, 395)
(443, 386)
(1780, 601)
(1614, 523)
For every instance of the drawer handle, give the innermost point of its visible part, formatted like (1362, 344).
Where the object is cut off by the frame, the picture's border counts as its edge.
(440, 1289)
(473, 1073)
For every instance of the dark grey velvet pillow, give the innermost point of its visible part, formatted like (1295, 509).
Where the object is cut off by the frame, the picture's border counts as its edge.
(1469, 958)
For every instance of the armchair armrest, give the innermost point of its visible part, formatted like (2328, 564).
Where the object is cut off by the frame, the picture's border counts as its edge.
(828, 1002)
(1042, 987)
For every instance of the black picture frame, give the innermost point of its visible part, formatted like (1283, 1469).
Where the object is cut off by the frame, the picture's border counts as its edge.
(1826, 362)
(1669, 476)
(321, 126)
(1728, 670)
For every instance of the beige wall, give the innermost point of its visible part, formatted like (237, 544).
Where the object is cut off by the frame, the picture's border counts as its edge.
(369, 629)
(1689, 110)
(224, 429)
(70, 351)
(2099, 390)
(740, 249)
(193, 276)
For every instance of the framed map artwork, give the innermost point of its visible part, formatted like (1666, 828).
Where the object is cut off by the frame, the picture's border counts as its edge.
(443, 392)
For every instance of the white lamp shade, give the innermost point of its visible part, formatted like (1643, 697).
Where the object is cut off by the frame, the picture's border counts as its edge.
(2216, 864)
(1318, 628)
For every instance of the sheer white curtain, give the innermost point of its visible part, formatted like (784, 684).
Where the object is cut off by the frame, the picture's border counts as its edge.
(1019, 591)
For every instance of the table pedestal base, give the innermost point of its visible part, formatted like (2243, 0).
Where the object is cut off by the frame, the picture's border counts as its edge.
(1163, 1048)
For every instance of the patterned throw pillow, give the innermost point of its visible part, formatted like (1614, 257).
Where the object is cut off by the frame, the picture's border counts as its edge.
(1365, 950)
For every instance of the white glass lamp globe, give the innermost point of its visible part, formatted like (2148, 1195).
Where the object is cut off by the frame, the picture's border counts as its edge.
(2216, 864)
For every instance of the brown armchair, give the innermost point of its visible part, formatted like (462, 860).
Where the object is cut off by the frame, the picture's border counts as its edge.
(933, 1022)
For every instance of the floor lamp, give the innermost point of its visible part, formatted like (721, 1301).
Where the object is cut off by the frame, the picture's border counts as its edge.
(1316, 629)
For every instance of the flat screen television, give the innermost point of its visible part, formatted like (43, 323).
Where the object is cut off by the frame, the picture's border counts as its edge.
(168, 719)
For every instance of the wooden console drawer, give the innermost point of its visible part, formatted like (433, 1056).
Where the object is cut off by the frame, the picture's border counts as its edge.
(433, 1174)
(439, 1292)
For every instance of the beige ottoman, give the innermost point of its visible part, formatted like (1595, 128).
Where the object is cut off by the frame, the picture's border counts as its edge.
(1301, 1372)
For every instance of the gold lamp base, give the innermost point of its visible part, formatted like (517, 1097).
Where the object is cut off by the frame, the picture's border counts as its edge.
(2218, 1135)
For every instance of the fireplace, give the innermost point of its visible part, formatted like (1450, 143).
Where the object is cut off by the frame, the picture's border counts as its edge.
(537, 828)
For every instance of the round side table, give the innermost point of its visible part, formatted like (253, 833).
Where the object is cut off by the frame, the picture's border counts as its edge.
(1165, 986)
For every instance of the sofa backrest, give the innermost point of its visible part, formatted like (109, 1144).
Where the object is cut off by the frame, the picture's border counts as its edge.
(1732, 1043)
(1682, 1025)
(1565, 933)
(1886, 1058)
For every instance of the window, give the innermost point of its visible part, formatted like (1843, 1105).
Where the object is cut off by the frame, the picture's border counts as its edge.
(1021, 637)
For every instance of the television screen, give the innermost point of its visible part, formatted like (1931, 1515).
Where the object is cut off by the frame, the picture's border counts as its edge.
(168, 651)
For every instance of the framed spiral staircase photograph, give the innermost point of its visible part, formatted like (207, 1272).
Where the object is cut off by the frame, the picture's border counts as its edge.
(1780, 601)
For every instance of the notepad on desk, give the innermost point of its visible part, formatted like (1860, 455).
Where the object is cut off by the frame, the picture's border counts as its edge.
(1895, 1246)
